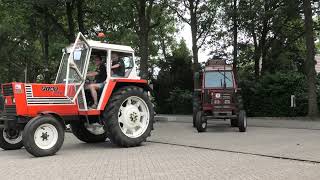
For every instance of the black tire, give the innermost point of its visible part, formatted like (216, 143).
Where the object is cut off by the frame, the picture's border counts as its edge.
(111, 111)
(234, 122)
(196, 108)
(242, 121)
(201, 123)
(29, 135)
(80, 131)
(194, 118)
(10, 139)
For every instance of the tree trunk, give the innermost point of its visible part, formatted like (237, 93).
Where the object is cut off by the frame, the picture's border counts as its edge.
(143, 33)
(310, 61)
(80, 16)
(194, 31)
(195, 48)
(256, 55)
(163, 48)
(45, 35)
(69, 12)
(144, 53)
(235, 38)
(45, 47)
(263, 40)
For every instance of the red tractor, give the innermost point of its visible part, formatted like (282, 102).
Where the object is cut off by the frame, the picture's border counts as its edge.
(217, 96)
(35, 115)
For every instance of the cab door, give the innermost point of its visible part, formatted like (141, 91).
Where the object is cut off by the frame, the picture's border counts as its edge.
(77, 67)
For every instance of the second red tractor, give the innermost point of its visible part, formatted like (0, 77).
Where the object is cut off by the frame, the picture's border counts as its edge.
(217, 96)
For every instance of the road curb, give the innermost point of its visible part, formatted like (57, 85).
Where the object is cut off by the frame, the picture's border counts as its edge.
(162, 119)
(271, 122)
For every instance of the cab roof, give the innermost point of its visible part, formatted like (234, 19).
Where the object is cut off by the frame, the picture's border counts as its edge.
(102, 45)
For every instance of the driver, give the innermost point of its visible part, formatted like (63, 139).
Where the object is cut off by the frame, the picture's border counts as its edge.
(100, 76)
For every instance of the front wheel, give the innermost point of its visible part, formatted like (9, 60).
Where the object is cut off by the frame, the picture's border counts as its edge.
(43, 136)
(128, 116)
(242, 121)
(201, 122)
(10, 139)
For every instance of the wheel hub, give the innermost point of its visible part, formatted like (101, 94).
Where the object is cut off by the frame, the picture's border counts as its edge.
(132, 115)
(46, 136)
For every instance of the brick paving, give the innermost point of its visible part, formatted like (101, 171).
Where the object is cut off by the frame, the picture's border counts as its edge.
(77, 160)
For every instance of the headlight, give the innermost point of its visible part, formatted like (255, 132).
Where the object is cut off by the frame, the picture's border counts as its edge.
(218, 95)
(216, 101)
(227, 101)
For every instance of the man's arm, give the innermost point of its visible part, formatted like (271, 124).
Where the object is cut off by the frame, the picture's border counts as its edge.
(115, 66)
(92, 74)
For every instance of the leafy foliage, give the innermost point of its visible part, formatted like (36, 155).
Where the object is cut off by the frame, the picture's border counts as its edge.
(179, 101)
(174, 81)
(271, 95)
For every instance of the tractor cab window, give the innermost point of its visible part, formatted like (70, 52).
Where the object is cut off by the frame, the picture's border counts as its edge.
(62, 73)
(94, 67)
(77, 62)
(218, 79)
(121, 64)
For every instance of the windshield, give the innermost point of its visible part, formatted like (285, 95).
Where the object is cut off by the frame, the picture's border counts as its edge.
(216, 79)
(62, 73)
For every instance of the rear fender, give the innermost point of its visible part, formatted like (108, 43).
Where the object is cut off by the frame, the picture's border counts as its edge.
(117, 84)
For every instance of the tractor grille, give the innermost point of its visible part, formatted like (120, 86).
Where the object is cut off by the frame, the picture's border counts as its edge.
(206, 97)
(226, 96)
(223, 96)
(10, 110)
(7, 90)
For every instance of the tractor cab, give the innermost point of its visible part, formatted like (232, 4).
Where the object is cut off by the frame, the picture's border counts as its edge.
(78, 59)
(219, 86)
(35, 115)
(217, 96)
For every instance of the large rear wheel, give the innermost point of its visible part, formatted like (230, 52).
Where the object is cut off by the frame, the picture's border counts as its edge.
(10, 139)
(43, 136)
(129, 116)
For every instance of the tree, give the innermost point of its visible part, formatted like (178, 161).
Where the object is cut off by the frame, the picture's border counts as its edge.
(174, 81)
(80, 16)
(200, 16)
(310, 61)
(235, 35)
(146, 20)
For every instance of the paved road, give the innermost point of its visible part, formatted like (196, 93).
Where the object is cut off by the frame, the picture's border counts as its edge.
(155, 160)
(284, 142)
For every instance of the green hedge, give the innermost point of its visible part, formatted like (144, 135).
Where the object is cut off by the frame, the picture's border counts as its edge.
(270, 96)
(179, 102)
